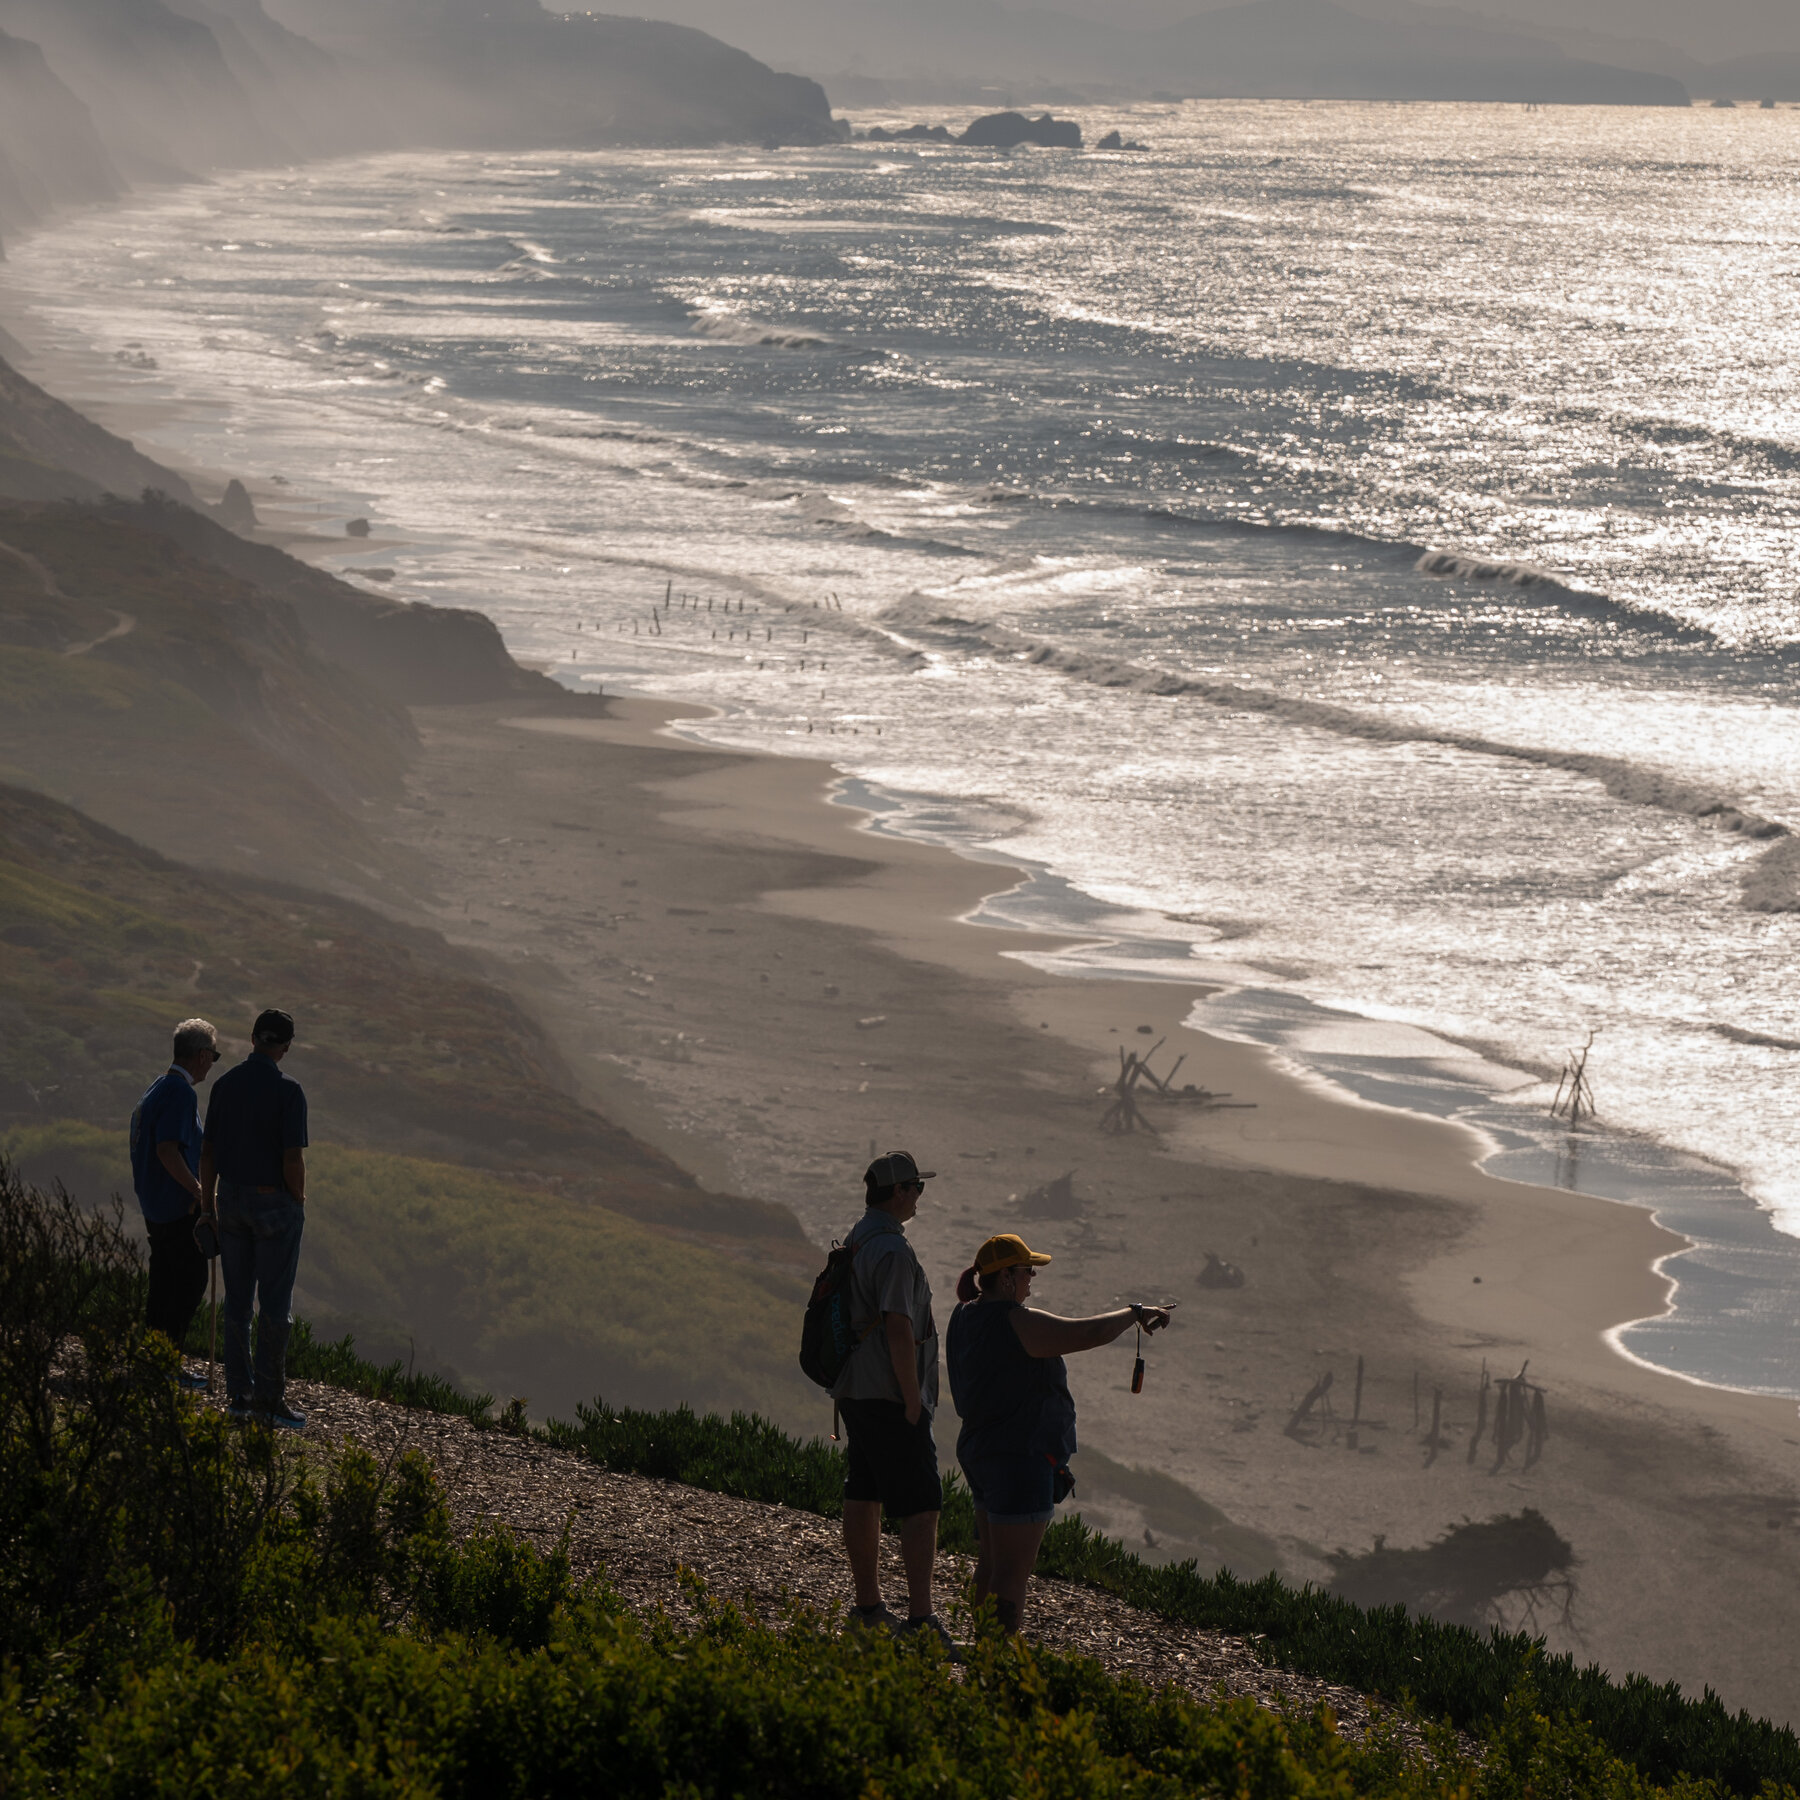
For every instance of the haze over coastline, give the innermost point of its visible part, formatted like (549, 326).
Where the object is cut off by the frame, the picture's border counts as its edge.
(1328, 574)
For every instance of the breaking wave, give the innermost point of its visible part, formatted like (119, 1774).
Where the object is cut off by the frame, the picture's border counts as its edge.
(1776, 874)
(738, 328)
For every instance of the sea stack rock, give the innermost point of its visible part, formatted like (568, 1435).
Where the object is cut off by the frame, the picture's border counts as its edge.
(907, 134)
(1007, 130)
(237, 511)
(358, 528)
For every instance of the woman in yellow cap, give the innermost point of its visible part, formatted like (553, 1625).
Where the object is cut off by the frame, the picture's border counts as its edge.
(1018, 1418)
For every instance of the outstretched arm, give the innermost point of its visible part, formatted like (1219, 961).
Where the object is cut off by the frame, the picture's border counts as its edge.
(1044, 1334)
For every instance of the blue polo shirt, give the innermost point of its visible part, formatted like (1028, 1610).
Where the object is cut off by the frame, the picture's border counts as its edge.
(169, 1113)
(255, 1113)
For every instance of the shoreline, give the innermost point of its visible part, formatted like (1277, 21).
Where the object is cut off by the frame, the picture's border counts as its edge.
(1362, 1232)
(850, 1003)
(293, 521)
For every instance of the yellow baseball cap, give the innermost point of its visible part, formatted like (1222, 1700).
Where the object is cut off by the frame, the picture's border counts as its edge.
(1007, 1251)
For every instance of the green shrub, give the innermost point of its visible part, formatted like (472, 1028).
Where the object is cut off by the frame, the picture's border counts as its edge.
(609, 1705)
(187, 1605)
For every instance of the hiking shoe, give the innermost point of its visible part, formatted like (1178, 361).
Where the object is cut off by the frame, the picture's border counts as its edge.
(241, 1410)
(931, 1626)
(195, 1384)
(281, 1416)
(873, 1618)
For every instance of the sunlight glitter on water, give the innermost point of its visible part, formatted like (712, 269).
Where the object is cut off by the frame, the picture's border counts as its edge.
(1121, 471)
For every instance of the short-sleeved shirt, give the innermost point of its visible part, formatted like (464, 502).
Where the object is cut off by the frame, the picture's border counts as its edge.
(255, 1114)
(886, 1278)
(169, 1113)
(1011, 1403)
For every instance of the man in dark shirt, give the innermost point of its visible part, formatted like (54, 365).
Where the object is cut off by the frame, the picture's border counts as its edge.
(254, 1159)
(165, 1171)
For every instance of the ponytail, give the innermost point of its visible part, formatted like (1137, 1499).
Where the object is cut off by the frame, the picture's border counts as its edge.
(967, 1286)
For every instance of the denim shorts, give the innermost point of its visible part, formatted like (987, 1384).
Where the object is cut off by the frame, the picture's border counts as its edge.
(1012, 1490)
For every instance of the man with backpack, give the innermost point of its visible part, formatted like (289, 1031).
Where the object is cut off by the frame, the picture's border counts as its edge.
(884, 1350)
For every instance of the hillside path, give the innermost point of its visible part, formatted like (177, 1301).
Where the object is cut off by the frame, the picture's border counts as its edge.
(642, 1531)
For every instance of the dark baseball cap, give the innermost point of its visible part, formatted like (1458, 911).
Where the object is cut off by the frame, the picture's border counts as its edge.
(894, 1169)
(273, 1026)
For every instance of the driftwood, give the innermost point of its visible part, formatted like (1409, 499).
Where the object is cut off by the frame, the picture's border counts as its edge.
(1436, 1441)
(1319, 1395)
(1124, 1115)
(1574, 1097)
(1519, 1413)
(1136, 1076)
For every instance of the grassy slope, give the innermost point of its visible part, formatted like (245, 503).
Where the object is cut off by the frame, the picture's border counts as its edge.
(47, 449)
(210, 726)
(465, 1201)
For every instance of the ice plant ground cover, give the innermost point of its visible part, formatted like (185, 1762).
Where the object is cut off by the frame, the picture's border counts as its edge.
(188, 1605)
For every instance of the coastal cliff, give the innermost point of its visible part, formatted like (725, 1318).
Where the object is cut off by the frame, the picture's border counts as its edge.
(513, 74)
(99, 94)
(50, 153)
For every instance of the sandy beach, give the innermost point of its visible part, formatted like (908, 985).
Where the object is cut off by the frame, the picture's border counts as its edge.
(746, 975)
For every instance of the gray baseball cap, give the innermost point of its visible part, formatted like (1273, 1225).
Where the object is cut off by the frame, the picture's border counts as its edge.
(895, 1169)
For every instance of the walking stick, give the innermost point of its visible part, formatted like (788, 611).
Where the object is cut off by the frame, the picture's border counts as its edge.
(212, 1335)
(206, 1240)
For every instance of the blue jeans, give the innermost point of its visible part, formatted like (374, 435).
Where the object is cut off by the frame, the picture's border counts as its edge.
(259, 1252)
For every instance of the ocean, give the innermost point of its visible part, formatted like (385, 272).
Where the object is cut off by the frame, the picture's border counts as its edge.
(1346, 554)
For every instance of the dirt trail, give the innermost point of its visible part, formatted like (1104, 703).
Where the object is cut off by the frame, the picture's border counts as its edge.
(123, 622)
(123, 626)
(643, 1532)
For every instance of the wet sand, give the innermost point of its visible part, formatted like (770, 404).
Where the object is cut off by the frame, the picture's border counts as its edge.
(749, 977)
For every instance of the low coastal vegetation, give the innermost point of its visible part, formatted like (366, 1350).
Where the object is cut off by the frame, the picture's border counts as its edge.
(186, 1606)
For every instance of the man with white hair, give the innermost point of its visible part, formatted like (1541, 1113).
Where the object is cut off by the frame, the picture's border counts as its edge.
(165, 1171)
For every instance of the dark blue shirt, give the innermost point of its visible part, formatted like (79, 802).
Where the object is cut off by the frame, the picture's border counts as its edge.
(1011, 1403)
(255, 1113)
(169, 1113)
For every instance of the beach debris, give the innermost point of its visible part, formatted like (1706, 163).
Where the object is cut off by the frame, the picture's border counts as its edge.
(1053, 1199)
(1136, 1076)
(1319, 1396)
(1123, 1116)
(1481, 1410)
(1519, 1411)
(871, 1024)
(1218, 1273)
(1436, 1441)
(1574, 1097)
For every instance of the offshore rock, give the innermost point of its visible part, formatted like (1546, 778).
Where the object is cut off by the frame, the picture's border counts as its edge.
(1007, 130)
(237, 511)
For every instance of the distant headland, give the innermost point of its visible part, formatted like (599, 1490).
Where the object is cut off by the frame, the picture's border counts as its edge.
(99, 95)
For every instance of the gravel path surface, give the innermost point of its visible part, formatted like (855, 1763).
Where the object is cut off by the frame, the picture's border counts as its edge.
(642, 1531)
